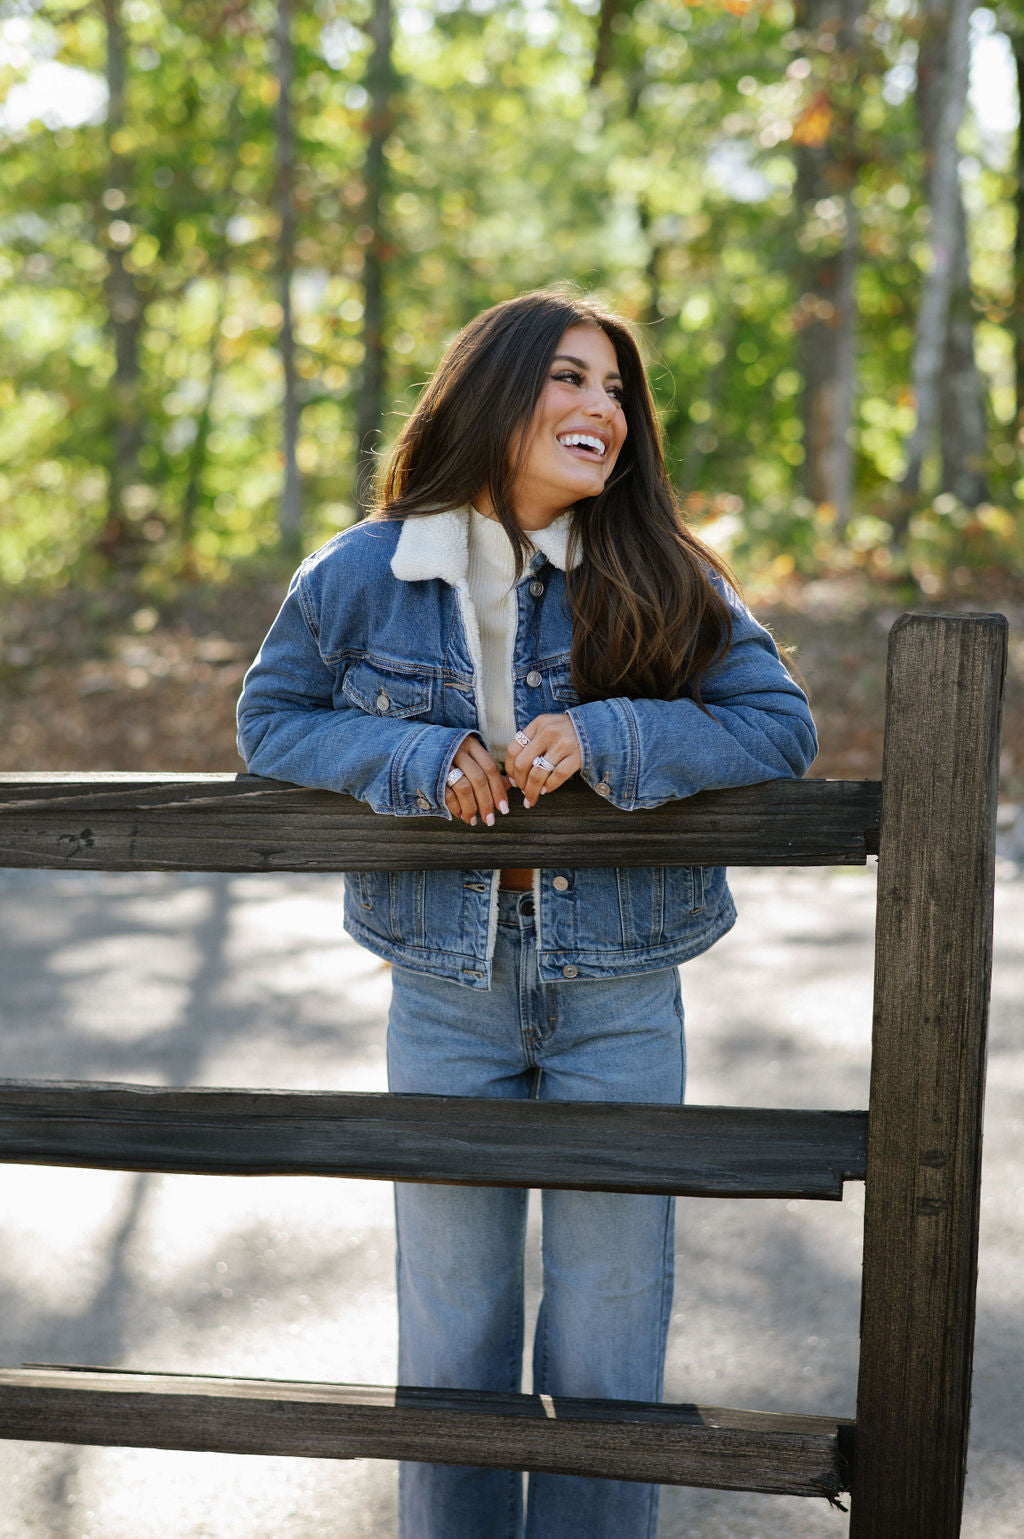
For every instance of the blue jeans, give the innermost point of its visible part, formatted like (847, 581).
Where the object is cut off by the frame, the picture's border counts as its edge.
(607, 1258)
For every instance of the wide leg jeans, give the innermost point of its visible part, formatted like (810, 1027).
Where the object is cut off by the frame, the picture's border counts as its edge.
(607, 1258)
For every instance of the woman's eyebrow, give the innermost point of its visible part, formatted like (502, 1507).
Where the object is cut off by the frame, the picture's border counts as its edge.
(581, 364)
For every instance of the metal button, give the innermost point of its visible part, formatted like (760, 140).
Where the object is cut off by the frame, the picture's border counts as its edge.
(536, 588)
(382, 702)
(603, 788)
(526, 908)
(561, 884)
(423, 802)
(568, 971)
(534, 679)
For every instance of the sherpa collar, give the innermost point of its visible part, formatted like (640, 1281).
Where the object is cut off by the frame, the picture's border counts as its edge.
(437, 545)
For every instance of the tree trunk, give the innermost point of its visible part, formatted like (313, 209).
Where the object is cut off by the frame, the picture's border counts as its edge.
(941, 95)
(124, 304)
(610, 12)
(204, 423)
(1017, 322)
(962, 421)
(290, 517)
(370, 405)
(826, 348)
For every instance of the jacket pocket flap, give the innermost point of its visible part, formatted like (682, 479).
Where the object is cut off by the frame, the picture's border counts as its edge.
(562, 687)
(381, 692)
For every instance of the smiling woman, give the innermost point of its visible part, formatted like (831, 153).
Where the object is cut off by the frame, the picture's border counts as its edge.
(527, 606)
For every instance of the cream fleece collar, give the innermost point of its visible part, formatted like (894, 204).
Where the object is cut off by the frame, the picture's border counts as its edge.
(437, 545)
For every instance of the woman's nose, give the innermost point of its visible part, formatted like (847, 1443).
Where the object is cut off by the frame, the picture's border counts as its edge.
(599, 404)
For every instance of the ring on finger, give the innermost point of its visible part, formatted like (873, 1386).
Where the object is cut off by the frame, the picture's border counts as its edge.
(522, 740)
(454, 776)
(541, 763)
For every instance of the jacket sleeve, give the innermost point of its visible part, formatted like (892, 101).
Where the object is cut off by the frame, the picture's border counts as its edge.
(294, 724)
(757, 726)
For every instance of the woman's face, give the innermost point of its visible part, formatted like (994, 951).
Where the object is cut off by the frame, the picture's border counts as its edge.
(576, 431)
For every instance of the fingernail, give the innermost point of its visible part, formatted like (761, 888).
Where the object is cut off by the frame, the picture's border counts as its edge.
(543, 790)
(526, 803)
(472, 821)
(489, 820)
(503, 806)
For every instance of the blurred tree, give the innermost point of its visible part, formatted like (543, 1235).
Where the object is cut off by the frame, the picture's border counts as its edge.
(946, 385)
(125, 305)
(283, 201)
(376, 241)
(824, 138)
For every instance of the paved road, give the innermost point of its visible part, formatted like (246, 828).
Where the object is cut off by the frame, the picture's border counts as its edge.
(249, 981)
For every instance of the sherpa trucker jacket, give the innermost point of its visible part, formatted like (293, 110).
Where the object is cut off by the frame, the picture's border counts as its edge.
(367, 684)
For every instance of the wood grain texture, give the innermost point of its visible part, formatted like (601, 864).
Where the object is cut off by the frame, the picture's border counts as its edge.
(670, 1444)
(933, 959)
(695, 1151)
(242, 823)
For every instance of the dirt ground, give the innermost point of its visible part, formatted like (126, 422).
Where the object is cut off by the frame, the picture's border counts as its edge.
(111, 682)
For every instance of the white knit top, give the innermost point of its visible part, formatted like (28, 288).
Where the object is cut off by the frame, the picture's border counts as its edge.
(491, 579)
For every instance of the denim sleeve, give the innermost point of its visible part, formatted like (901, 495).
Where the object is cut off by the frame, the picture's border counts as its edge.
(756, 726)
(289, 728)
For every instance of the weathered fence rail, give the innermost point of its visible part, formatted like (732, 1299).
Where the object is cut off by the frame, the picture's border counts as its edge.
(696, 1151)
(932, 823)
(243, 823)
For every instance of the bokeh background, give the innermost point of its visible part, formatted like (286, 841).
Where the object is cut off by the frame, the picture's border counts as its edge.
(236, 234)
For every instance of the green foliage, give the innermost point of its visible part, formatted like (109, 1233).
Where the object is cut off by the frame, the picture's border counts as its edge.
(667, 183)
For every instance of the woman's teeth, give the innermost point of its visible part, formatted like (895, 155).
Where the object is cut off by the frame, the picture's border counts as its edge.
(582, 441)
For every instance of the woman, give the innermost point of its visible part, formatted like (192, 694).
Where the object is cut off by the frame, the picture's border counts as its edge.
(527, 606)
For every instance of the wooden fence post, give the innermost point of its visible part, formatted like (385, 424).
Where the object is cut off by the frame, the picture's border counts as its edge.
(933, 960)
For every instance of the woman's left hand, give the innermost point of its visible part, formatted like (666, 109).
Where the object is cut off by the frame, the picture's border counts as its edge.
(552, 738)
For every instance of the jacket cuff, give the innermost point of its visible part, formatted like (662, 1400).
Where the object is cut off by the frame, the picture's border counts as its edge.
(418, 779)
(610, 749)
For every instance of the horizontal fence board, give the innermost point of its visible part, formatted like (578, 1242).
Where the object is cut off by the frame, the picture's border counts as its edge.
(622, 1440)
(696, 1151)
(243, 823)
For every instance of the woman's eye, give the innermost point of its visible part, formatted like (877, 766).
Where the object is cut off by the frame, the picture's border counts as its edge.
(569, 375)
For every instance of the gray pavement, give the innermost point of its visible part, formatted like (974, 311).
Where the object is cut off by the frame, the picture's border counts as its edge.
(249, 981)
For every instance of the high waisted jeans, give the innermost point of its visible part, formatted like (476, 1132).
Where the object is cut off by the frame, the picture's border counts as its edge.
(607, 1258)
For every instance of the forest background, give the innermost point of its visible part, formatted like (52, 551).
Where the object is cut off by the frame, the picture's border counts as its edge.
(235, 236)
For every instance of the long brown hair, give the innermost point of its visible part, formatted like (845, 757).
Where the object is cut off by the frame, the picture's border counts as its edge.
(647, 621)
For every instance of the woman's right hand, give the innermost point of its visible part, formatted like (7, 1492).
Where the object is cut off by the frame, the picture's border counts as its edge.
(481, 790)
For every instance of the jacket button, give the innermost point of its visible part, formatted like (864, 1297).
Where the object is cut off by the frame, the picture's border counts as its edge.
(561, 884)
(603, 788)
(533, 678)
(382, 702)
(536, 588)
(423, 802)
(568, 971)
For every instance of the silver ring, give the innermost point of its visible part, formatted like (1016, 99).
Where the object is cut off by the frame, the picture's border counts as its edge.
(522, 740)
(454, 775)
(541, 763)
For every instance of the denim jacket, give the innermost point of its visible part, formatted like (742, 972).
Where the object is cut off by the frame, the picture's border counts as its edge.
(367, 683)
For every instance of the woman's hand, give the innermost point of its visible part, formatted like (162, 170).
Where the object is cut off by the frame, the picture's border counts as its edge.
(552, 738)
(480, 789)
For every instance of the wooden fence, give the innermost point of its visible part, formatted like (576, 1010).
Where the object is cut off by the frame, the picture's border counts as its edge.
(931, 821)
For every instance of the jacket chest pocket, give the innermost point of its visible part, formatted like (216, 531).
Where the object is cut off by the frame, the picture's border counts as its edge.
(563, 691)
(380, 691)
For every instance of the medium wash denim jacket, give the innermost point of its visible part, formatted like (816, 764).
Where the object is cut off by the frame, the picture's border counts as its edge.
(367, 683)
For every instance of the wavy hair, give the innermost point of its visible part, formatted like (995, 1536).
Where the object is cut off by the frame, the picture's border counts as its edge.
(647, 620)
